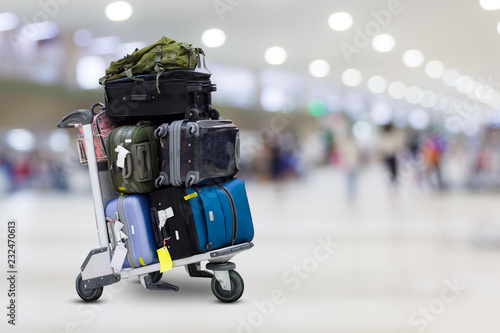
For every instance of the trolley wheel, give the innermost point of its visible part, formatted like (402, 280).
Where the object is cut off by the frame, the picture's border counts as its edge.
(237, 287)
(156, 276)
(88, 295)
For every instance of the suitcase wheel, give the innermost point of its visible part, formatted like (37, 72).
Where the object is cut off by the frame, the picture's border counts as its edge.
(161, 180)
(214, 114)
(192, 114)
(88, 295)
(237, 288)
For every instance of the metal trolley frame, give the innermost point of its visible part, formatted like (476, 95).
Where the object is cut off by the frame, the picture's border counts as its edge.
(96, 271)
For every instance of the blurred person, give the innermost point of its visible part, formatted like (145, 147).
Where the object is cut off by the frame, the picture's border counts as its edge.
(433, 149)
(390, 143)
(22, 172)
(349, 155)
(6, 172)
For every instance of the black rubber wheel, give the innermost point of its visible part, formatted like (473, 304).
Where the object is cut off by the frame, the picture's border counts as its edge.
(88, 295)
(192, 114)
(237, 288)
(214, 114)
(156, 276)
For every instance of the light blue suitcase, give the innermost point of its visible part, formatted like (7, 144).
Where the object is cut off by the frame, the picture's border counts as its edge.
(134, 213)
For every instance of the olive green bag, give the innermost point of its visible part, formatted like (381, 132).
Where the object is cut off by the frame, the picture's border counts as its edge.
(165, 54)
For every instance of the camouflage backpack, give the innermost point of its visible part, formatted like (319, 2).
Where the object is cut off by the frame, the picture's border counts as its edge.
(163, 55)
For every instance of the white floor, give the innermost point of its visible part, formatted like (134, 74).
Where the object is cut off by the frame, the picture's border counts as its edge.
(412, 262)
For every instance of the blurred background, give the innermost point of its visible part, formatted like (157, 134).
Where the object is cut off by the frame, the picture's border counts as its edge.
(374, 125)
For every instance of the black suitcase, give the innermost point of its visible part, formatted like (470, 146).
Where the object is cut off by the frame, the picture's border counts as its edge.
(194, 151)
(198, 219)
(176, 94)
(178, 232)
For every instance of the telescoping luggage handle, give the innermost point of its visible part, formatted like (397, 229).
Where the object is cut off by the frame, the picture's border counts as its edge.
(174, 130)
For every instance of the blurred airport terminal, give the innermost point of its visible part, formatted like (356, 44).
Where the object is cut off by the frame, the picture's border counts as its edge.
(375, 123)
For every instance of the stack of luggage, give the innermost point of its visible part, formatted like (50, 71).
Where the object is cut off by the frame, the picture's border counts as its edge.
(168, 160)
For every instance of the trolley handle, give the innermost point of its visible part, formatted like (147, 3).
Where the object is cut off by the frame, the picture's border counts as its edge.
(83, 117)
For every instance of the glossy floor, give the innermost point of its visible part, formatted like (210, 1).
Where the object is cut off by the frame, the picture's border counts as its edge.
(415, 261)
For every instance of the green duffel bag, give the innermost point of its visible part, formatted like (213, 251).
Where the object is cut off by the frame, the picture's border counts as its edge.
(165, 54)
(133, 158)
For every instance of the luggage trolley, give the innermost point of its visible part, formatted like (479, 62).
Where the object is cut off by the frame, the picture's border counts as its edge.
(96, 271)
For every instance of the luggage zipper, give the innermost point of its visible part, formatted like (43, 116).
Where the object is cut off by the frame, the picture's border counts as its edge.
(128, 241)
(233, 210)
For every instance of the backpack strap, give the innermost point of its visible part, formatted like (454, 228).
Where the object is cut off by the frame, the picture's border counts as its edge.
(198, 52)
(128, 72)
(159, 70)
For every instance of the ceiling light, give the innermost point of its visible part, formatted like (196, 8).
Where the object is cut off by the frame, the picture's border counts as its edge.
(59, 140)
(275, 55)
(383, 43)
(118, 11)
(412, 95)
(352, 77)
(418, 119)
(377, 84)
(88, 71)
(397, 90)
(8, 21)
(413, 58)
(213, 38)
(434, 69)
(273, 98)
(361, 130)
(427, 98)
(316, 107)
(20, 140)
(381, 113)
(40, 31)
(490, 4)
(340, 21)
(82, 37)
(319, 68)
(462, 83)
(450, 77)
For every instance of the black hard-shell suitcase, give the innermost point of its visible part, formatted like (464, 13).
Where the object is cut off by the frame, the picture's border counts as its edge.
(194, 151)
(176, 94)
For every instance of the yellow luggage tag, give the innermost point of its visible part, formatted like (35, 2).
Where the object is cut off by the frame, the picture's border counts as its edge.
(190, 196)
(165, 259)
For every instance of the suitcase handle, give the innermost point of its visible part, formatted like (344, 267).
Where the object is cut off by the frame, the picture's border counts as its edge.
(127, 170)
(138, 98)
(83, 117)
(142, 159)
(101, 106)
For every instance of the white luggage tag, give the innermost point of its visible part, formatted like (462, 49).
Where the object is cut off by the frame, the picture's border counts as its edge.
(118, 231)
(122, 154)
(120, 252)
(119, 256)
(164, 215)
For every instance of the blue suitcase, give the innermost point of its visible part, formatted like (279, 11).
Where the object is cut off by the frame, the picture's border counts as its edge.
(221, 214)
(134, 213)
(204, 217)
